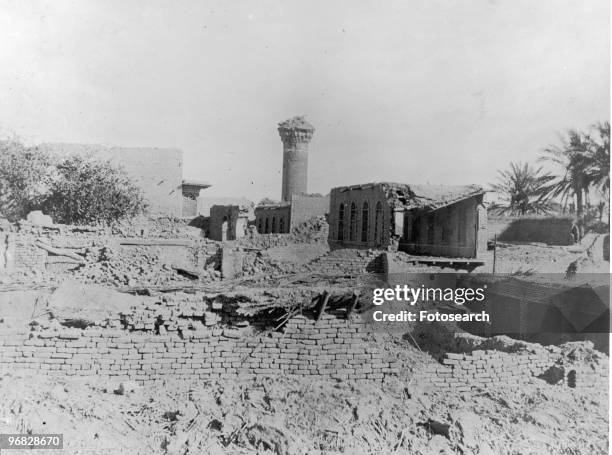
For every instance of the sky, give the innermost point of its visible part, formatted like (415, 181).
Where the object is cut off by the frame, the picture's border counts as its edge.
(423, 91)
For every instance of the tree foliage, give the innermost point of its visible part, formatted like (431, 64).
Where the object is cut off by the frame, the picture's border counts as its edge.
(584, 161)
(90, 191)
(72, 189)
(522, 189)
(25, 177)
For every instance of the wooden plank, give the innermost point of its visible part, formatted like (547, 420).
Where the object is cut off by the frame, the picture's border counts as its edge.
(156, 242)
(324, 299)
(60, 252)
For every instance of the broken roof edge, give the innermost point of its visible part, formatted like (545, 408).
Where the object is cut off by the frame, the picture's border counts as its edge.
(278, 206)
(411, 196)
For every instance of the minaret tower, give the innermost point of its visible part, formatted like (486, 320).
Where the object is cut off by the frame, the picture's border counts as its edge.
(296, 134)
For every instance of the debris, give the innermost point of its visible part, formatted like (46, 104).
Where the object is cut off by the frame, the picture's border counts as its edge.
(60, 252)
(38, 218)
(127, 387)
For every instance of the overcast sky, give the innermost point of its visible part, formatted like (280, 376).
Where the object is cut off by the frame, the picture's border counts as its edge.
(410, 91)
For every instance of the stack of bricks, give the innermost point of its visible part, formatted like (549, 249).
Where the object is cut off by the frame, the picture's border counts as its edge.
(587, 376)
(479, 369)
(331, 347)
(349, 261)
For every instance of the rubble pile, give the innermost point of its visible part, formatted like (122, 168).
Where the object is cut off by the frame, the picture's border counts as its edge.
(159, 227)
(122, 267)
(286, 416)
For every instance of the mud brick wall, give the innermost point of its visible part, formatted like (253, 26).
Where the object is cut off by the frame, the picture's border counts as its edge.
(20, 254)
(478, 369)
(330, 347)
(307, 206)
(350, 261)
(549, 230)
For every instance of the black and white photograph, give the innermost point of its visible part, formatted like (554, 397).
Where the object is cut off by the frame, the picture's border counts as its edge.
(305, 228)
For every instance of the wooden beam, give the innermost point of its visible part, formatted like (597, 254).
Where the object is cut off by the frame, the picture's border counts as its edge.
(60, 252)
(324, 300)
(354, 302)
(156, 242)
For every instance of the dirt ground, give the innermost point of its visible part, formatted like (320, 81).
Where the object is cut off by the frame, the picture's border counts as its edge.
(288, 416)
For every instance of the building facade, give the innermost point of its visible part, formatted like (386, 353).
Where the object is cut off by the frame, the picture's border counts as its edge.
(228, 222)
(273, 219)
(191, 192)
(431, 220)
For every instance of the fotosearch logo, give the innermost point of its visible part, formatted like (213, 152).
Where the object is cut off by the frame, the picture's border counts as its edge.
(414, 295)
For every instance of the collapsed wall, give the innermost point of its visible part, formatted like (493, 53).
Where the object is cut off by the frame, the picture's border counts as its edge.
(330, 348)
(96, 254)
(480, 369)
(191, 337)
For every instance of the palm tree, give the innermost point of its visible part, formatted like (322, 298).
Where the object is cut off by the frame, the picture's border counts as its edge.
(523, 190)
(585, 162)
(598, 158)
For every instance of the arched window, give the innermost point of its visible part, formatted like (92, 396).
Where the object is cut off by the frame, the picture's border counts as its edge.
(281, 225)
(378, 224)
(273, 224)
(365, 212)
(341, 223)
(267, 226)
(353, 223)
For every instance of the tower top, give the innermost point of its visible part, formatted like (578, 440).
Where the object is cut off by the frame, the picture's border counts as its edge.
(295, 130)
(298, 122)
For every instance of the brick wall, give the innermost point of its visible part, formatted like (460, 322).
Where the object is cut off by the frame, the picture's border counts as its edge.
(307, 206)
(330, 347)
(478, 369)
(349, 261)
(22, 255)
(270, 219)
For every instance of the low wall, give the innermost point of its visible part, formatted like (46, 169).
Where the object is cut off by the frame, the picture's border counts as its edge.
(478, 369)
(331, 347)
(352, 261)
(551, 230)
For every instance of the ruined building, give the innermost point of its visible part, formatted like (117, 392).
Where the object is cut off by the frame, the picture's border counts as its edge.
(435, 220)
(297, 205)
(228, 222)
(191, 192)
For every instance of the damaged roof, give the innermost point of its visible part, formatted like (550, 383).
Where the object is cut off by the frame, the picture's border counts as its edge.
(429, 197)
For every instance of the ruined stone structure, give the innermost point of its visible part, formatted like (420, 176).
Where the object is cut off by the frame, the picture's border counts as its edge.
(296, 134)
(477, 370)
(431, 220)
(297, 205)
(273, 219)
(330, 347)
(228, 222)
(191, 191)
(205, 203)
(280, 219)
